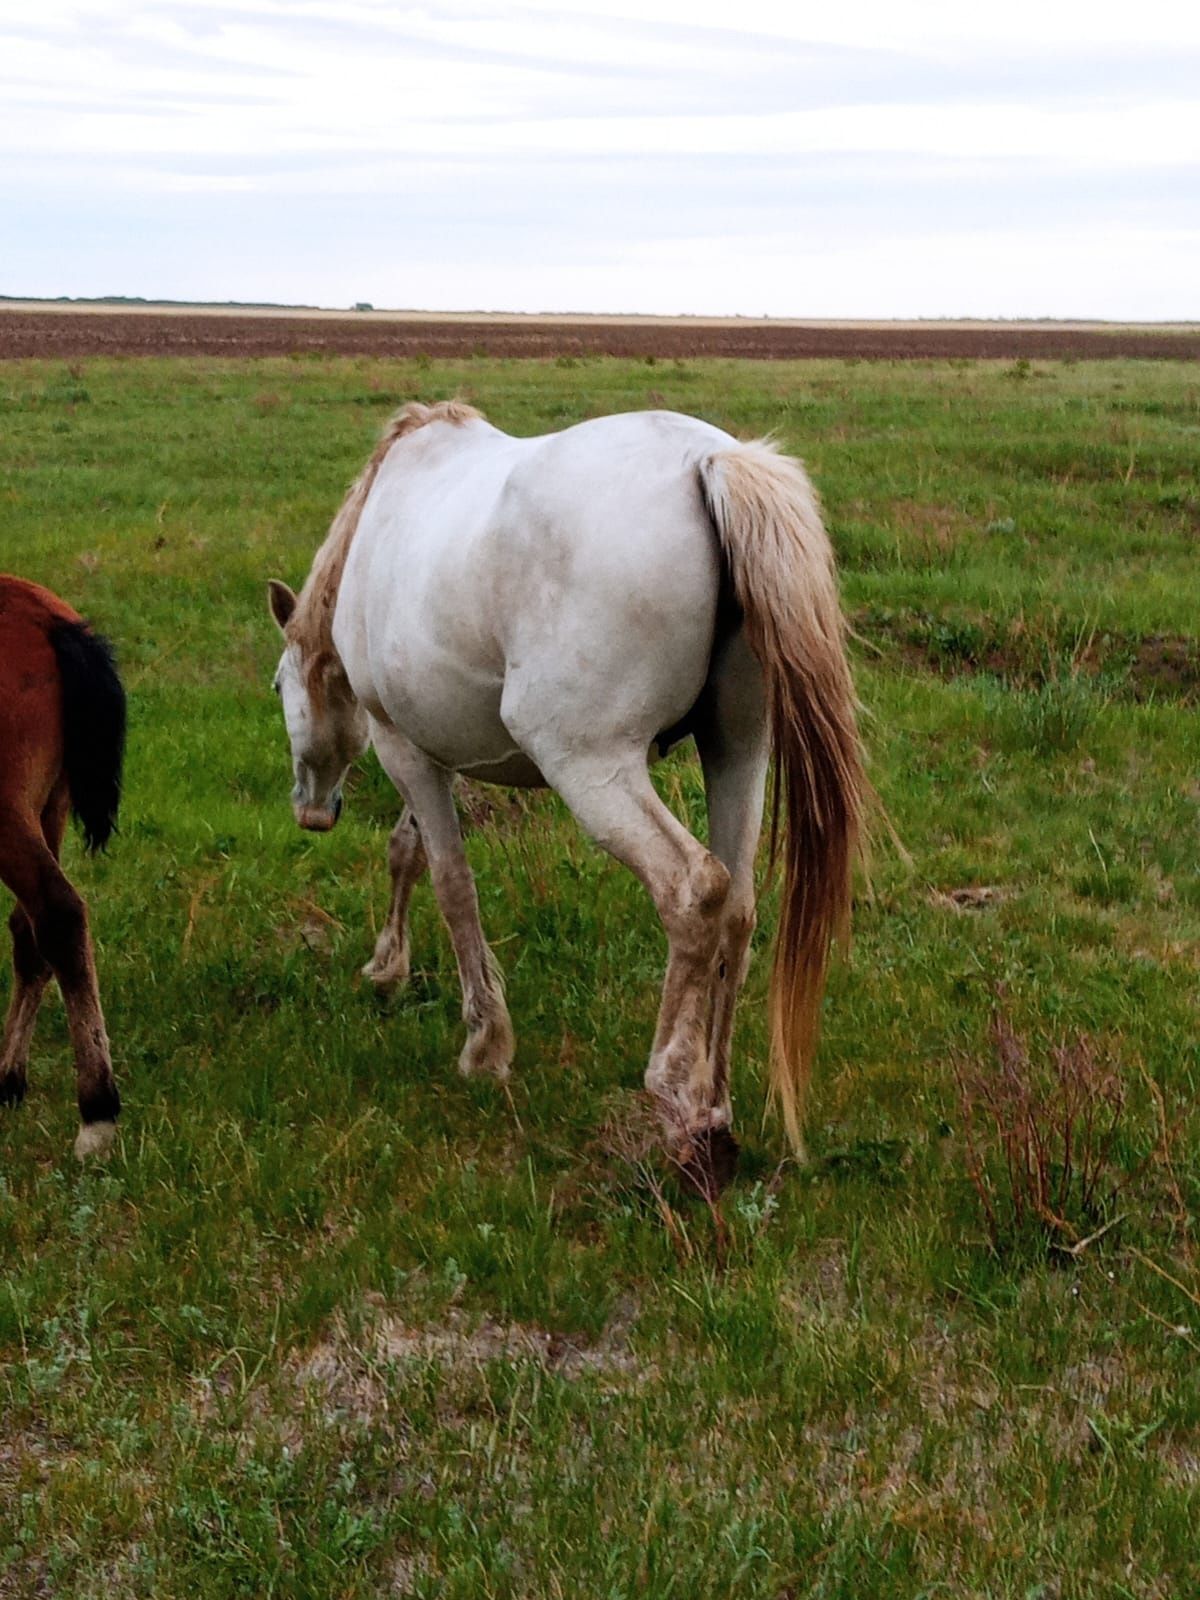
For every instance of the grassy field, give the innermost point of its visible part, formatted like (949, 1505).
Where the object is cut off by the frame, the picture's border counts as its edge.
(334, 1322)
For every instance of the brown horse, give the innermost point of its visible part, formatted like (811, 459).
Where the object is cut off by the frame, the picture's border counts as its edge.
(62, 739)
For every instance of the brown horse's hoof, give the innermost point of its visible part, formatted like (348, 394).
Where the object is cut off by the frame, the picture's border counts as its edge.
(94, 1141)
(712, 1163)
(12, 1088)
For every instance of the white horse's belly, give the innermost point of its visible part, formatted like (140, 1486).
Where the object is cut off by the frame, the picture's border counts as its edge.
(452, 716)
(514, 771)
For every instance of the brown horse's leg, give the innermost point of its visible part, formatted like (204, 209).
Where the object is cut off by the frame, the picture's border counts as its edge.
(30, 976)
(31, 972)
(60, 928)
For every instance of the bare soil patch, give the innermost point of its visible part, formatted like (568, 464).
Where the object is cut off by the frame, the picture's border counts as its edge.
(1134, 667)
(74, 334)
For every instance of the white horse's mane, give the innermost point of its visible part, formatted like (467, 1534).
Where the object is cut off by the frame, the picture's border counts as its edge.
(311, 624)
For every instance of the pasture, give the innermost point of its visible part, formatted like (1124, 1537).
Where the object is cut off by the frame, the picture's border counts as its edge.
(334, 1322)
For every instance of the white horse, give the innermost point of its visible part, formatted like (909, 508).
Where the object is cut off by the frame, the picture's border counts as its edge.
(560, 610)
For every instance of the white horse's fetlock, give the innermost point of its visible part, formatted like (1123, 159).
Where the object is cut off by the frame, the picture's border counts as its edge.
(682, 1090)
(676, 1123)
(94, 1141)
(668, 1077)
(698, 1141)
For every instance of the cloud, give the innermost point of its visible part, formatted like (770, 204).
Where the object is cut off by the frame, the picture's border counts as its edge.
(502, 143)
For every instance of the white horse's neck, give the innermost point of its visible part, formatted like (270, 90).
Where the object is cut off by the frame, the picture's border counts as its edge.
(311, 626)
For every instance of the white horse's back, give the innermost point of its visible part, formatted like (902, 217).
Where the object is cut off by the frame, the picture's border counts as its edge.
(580, 569)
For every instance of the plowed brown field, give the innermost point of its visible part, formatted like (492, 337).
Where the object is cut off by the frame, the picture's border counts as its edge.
(72, 334)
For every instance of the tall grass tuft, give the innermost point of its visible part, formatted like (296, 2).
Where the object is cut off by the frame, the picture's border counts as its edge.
(1040, 1138)
(1053, 718)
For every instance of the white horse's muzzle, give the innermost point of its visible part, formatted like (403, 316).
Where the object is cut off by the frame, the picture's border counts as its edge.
(317, 819)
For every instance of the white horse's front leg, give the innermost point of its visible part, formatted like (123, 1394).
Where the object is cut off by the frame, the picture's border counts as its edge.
(388, 968)
(428, 790)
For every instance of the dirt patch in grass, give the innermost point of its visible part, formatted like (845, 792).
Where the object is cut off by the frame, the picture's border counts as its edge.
(350, 1375)
(28, 1459)
(26, 1577)
(972, 897)
(1167, 667)
(1133, 667)
(819, 1288)
(457, 1343)
(310, 926)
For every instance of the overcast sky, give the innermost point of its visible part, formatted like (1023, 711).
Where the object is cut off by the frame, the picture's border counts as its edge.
(855, 158)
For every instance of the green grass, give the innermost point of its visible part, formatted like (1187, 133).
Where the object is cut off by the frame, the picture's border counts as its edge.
(334, 1322)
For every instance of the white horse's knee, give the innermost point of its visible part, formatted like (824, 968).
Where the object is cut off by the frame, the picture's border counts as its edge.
(695, 906)
(708, 886)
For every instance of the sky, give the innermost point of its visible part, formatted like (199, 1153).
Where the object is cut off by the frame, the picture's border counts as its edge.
(848, 159)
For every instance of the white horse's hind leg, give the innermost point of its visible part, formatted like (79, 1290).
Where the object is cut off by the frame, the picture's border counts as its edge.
(734, 752)
(735, 795)
(614, 800)
(428, 790)
(388, 968)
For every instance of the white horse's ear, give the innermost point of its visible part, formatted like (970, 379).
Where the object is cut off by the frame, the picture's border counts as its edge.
(281, 601)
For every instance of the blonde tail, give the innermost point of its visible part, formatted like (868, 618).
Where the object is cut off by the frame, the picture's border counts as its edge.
(768, 521)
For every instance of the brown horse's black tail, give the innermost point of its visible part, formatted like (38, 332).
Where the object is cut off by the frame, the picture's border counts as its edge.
(93, 713)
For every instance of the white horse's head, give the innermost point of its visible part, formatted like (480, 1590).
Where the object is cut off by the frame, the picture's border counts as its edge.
(326, 726)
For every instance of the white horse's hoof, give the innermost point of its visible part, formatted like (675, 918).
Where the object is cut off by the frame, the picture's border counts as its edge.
(390, 962)
(386, 975)
(711, 1161)
(487, 1054)
(94, 1141)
